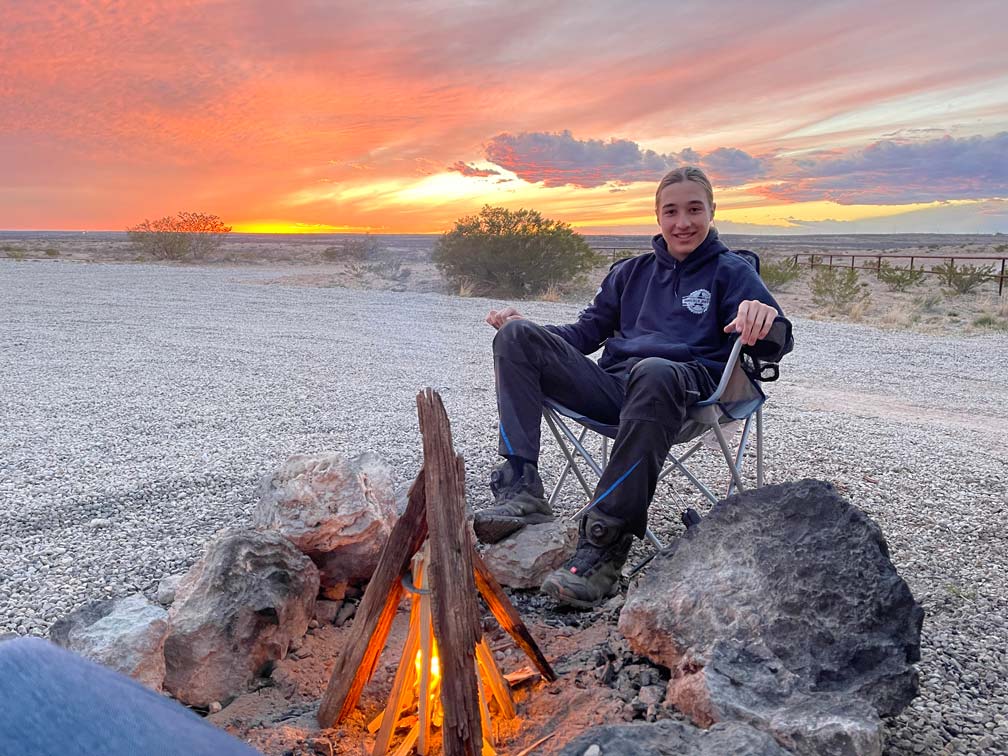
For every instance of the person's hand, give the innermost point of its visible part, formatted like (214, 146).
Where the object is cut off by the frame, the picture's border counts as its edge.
(498, 318)
(753, 321)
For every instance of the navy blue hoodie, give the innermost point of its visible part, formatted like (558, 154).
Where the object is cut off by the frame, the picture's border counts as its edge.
(653, 305)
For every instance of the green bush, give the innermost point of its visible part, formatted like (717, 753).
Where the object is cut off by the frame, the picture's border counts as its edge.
(962, 279)
(899, 279)
(777, 274)
(502, 252)
(837, 288)
(178, 237)
(352, 250)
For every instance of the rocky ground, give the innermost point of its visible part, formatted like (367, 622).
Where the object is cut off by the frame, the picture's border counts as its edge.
(141, 405)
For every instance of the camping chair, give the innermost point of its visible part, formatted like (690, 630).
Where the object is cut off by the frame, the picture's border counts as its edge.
(736, 398)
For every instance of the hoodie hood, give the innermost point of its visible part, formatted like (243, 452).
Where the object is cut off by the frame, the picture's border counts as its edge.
(709, 247)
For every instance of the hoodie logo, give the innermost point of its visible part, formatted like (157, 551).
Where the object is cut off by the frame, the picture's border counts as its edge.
(697, 302)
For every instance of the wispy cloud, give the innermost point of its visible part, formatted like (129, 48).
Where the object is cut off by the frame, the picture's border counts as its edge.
(470, 170)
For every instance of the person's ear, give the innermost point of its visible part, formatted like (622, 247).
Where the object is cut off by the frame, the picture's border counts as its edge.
(713, 207)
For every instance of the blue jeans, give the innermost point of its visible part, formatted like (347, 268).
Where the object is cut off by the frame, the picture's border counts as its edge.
(54, 703)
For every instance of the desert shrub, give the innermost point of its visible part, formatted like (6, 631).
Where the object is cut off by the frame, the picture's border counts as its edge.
(962, 279)
(178, 237)
(352, 250)
(988, 321)
(16, 253)
(837, 288)
(51, 252)
(899, 278)
(777, 274)
(928, 302)
(504, 252)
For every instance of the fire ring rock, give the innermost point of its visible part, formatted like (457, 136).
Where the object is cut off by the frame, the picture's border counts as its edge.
(671, 738)
(125, 634)
(339, 512)
(235, 612)
(782, 609)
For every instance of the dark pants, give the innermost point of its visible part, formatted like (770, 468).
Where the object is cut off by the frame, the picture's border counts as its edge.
(648, 399)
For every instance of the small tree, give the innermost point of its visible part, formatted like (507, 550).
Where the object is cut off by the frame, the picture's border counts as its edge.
(777, 274)
(962, 279)
(899, 279)
(192, 235)
(838, 289)
(511, 252)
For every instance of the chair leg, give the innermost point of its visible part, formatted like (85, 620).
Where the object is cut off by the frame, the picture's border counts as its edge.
(570, 466)
(723, 443)
(553, 422)
(759, 448)
(743, 445)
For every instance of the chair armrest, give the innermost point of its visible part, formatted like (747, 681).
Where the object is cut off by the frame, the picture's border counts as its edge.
(726, 375)
(775, 344)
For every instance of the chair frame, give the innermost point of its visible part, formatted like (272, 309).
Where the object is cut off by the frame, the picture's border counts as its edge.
(708, 416)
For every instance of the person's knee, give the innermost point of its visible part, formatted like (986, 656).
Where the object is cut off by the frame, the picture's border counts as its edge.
(656, 378)
(514, 335)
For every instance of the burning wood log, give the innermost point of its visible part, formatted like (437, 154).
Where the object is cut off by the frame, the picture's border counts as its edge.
(454, 608)
(377, 609)
(444, 616)
(508, 616)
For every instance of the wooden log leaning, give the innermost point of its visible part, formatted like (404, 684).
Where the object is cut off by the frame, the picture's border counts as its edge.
(376, 611)
(453, 591)
(508, 616)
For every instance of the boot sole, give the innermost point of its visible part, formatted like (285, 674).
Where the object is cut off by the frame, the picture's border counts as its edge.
(558, 593)
(494, 529)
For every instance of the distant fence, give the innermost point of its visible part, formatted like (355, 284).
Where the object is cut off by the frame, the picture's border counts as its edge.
(827, 260)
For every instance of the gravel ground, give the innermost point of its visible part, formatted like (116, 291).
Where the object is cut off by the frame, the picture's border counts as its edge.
(142, 404)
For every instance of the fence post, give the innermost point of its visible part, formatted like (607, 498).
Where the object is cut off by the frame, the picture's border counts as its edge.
(852, 259)
(1001, 277)
(830, 262)
(911, 262)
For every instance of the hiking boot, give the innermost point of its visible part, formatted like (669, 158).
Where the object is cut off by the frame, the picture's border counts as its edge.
(592, 574)
(520, 501)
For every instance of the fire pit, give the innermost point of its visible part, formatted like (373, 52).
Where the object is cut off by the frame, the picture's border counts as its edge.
(446, 669)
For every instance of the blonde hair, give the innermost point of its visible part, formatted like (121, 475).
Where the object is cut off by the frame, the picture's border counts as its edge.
(685, 173)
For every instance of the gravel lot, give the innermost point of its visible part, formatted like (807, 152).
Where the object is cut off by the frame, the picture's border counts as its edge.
(141, 405)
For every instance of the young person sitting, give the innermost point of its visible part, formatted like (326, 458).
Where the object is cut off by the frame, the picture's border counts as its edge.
(666, 320)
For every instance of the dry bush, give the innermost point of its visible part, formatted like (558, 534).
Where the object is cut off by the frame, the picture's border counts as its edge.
(466, 288)
(898, 316)
(352, 250)
(552, 293)
(178, 237)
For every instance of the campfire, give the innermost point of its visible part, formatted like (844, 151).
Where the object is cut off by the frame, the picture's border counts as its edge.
(447, 676)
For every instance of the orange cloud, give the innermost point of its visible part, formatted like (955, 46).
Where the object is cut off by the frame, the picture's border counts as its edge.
(113, 112)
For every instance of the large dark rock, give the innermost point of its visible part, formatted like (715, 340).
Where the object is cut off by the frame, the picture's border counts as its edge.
(337, 511)
(782, 608)
(669, 738)
(235, 612)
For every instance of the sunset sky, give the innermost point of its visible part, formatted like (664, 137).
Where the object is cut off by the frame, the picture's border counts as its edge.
(402, 116)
